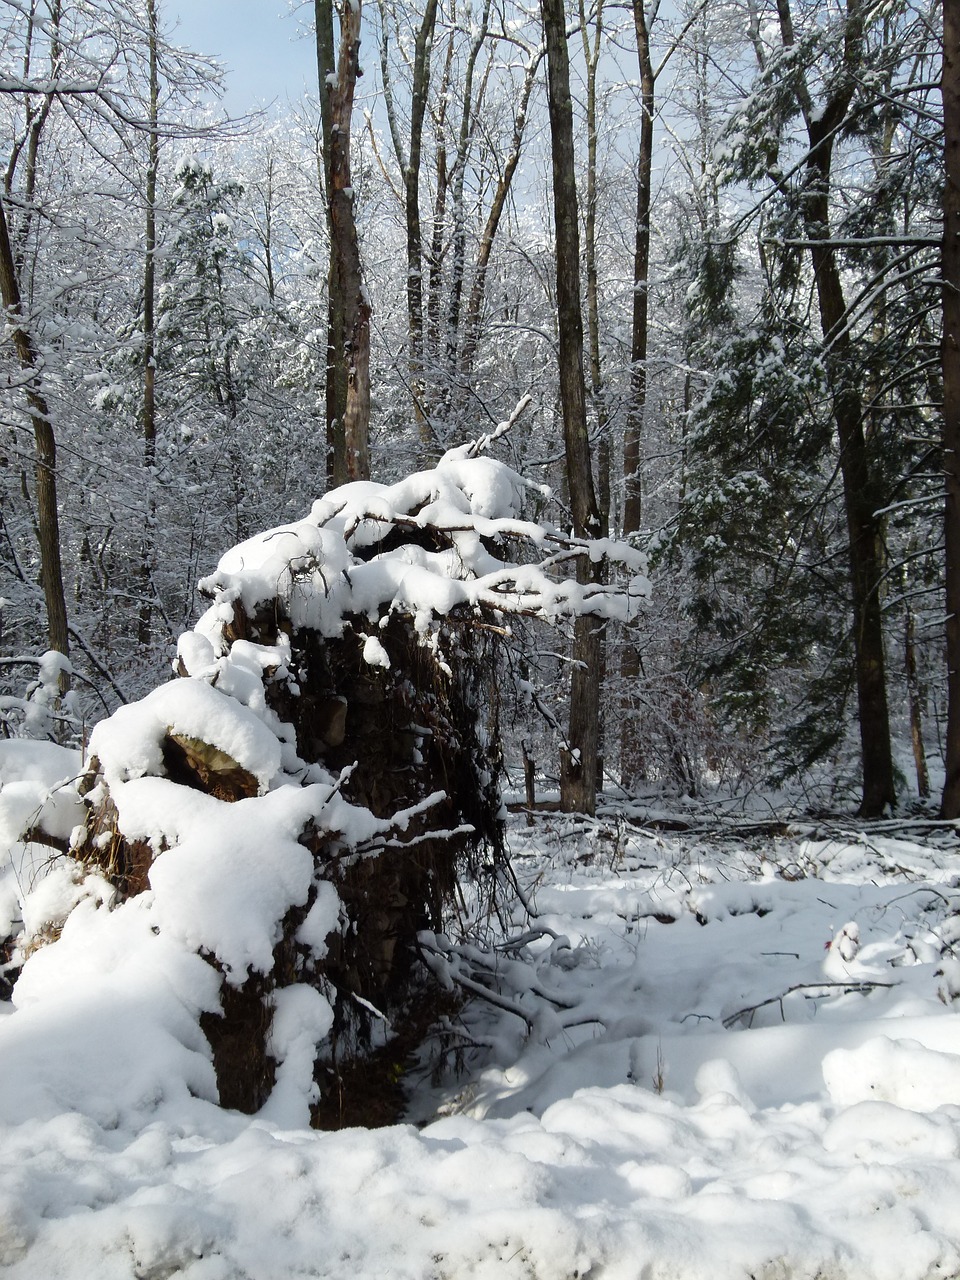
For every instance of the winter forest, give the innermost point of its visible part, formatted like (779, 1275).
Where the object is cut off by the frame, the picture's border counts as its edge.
(480, 644)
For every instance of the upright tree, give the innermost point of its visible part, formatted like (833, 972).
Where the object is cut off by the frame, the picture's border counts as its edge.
(48, 519)
(823, 122)
(20, 326)
(579, 772)
(950, 356)
(149, 322)
(348, 360)
(644, 17)
(820, 72)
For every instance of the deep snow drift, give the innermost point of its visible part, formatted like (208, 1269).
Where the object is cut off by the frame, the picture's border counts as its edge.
(743, 1062)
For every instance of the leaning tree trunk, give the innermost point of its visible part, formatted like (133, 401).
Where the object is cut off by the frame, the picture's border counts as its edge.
(468, 120)
(497, 205)
(579, 772)
(950, 802)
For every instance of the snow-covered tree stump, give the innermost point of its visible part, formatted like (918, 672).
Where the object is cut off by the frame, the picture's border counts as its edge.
(300, 802)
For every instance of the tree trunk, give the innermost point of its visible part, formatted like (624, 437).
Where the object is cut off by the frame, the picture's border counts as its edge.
(336, 373)
(418, 106)
(529, 784)
(579, 760)
(591, 55)
(437, 247)
(950, 87)
(48, 521)
(860, 500)
(641, 271)
(492, 224)
(352, 359)
(916, 715)
(147, 547)
(468, 117)
(859, 490)
(631, 752)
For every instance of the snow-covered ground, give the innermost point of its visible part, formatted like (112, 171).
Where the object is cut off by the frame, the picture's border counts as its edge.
(734, 1055)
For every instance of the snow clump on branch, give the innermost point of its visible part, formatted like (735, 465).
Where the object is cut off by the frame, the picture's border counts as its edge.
(435, 542)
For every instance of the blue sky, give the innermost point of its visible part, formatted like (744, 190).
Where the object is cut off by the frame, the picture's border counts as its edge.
(261, 42)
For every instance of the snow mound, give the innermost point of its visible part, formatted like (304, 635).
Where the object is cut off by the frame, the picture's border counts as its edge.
(901, 1072)
(130, 744)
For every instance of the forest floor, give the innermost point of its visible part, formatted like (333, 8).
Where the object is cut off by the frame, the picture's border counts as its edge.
(707, 1048)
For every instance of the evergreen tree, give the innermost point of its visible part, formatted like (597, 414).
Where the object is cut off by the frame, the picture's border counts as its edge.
(821, 393)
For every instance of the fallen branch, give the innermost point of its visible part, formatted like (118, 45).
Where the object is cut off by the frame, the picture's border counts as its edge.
(439, 964)
(848, 988)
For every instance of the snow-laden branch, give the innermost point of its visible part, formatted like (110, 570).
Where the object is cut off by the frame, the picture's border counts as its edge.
(450, 538)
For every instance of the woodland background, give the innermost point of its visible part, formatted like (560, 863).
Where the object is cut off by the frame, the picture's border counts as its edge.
(763, 230)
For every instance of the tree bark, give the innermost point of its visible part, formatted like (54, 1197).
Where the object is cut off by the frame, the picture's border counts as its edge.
(860, 502)
(591, 55)
(48, 520)
(860, 495)
(915, 697)
(336, 374)
(352, 360)
(579, 760)
(418, 107)
(950, 356)
(632, 496)
(631, 752)
(149, 411)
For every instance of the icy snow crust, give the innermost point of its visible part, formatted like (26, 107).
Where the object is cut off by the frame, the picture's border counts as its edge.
(724, 1060)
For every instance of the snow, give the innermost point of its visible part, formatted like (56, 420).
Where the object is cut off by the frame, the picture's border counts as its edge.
(650, 1126)
(30, 777)
(327, 566)
(730, 1053)
(301, 1019)
(129, 744)
(374, 653)
(35, 792)
(244, 857)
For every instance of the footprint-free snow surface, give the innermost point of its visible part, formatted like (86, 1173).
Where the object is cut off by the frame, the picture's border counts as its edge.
(721, 1055)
